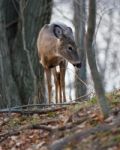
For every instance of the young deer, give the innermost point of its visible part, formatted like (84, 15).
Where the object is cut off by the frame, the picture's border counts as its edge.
(56, 46)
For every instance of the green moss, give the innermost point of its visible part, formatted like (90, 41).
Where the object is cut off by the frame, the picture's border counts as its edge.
(114, 97)
(103, 134)
(52, 114)
(74, 108)
(14, 122)
(116, 138)
(93, 100)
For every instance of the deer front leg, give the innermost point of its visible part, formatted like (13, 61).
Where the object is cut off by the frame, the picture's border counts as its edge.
(62, 79)
(58, 92)
(49, 84)
(59, 87)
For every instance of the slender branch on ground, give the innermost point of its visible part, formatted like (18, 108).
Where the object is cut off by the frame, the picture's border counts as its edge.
(46, 105)
(50, 121)
(72, 102)
(31, 112)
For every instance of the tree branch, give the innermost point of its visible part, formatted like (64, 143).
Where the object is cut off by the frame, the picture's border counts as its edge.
(105, 109)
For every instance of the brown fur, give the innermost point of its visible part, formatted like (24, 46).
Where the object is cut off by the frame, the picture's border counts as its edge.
(54, 52)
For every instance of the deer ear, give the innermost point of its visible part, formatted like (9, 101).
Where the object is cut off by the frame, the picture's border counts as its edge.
(69, 30)
(69, 33)
(57, 30)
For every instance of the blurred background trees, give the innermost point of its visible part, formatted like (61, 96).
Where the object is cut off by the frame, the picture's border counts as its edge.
(21, 75)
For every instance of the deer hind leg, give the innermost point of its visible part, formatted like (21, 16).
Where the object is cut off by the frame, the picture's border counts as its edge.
(62, 79)
(56, 90)
(49, 84)
(56, 82)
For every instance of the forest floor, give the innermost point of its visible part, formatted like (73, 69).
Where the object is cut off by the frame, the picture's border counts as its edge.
(69, 127)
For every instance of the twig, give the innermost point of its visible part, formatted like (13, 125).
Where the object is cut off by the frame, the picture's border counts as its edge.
(64, 16)
(85, 84)
(36, 126)
(60, 144)
(11, 23)
(50, 121)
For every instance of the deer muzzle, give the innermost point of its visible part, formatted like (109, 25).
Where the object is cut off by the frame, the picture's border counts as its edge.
(78, 65)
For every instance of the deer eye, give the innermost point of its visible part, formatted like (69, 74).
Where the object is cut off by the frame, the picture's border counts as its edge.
(70, 48)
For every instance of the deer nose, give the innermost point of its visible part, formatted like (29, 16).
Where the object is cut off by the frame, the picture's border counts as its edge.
(78, 65)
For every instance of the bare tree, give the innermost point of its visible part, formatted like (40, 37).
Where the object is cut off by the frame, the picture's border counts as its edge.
(92, 61)
(79, 23)
(103, 67)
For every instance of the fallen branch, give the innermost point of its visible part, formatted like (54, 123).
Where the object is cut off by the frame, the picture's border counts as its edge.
(31, 112)
(36, 126)
(47, 105)
(60, 144)
(8, 134)
(43, 106)
(4, 136)
(50, 121)
(70, 125)
(17, 132)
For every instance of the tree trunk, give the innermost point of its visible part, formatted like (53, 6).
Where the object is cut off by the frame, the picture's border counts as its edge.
(35, 16)
(92, 61)
(25, 68)
(79, 23)
(9, 94)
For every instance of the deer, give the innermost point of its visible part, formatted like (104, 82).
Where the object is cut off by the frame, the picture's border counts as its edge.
(56, 47)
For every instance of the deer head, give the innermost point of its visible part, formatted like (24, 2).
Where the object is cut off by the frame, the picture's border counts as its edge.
(56, 43)
(66, 46)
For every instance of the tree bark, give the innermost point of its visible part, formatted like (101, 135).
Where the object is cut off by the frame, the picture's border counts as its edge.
(35, 16)
(79, 23)
(23, 64)
(9, 95)
(92, 61)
